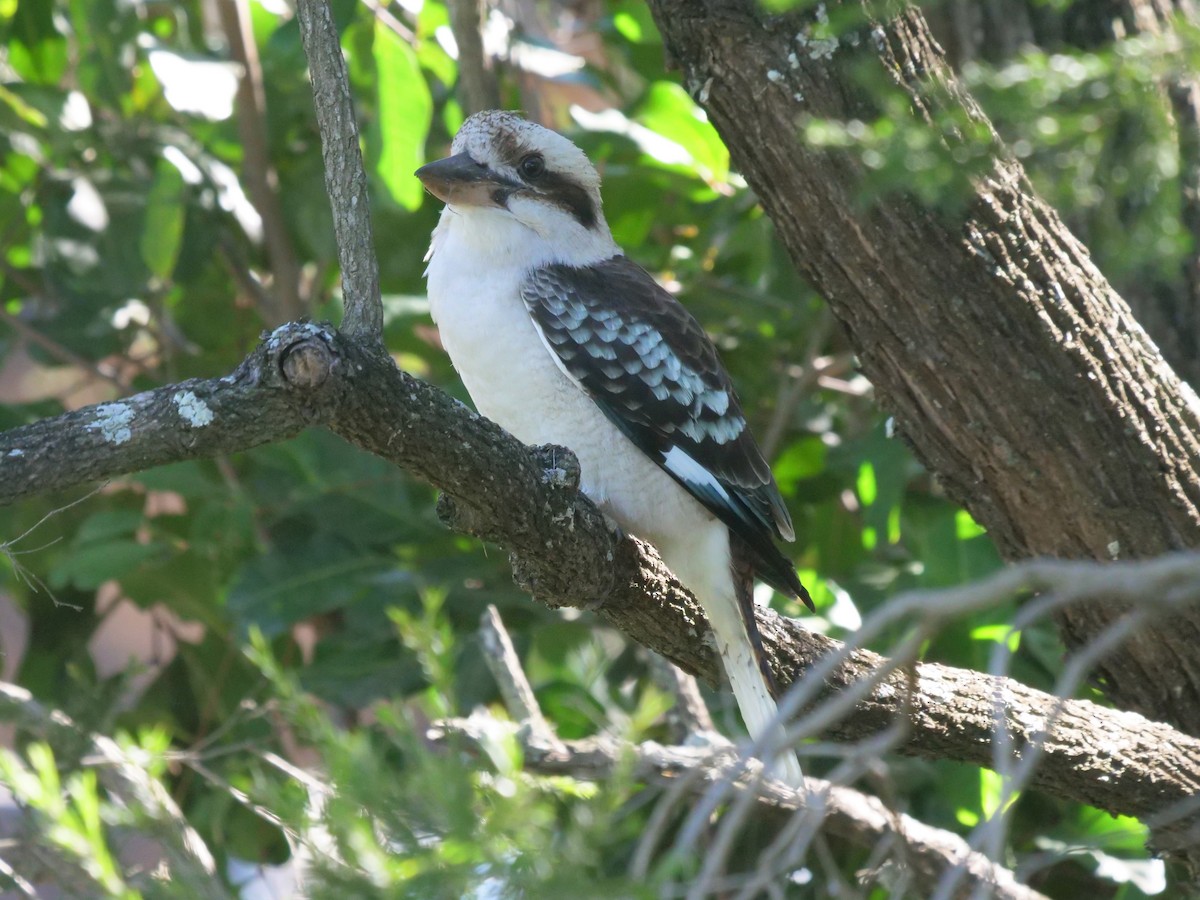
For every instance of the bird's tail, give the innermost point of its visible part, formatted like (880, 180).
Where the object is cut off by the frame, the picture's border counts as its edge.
(715, 565)
(749, 686)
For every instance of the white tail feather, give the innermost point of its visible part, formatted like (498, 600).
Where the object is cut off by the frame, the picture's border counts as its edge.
(703, 564)
(755, 702)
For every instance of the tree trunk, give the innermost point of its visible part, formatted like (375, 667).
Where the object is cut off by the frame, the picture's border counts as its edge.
(1018, 375)
(995, 31)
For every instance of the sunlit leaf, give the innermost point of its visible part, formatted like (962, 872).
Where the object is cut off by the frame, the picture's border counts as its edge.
(403, 117)
(669, 111)
(195, 84)
(866, 484)
(966, 527)
(163, 229)
(998, 634)
(35, 49)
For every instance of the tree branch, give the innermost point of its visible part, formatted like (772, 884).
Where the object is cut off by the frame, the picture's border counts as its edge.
(928, 854)
(195, 419)
(285, 302)
(528, 501)
(931, 858)
(505, 666)
(345, 177)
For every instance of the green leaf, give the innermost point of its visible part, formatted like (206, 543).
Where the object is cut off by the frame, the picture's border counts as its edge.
(162, 232)
(802, 459)
(404, 110)
(108, 523)
(866, 484)
(669, 111)
(300, 579)
(35, 49)
(90, 566)
(1000, 633)
(992, 793)
(966, 527)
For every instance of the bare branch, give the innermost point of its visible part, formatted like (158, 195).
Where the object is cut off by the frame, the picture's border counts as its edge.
(505, 666)
(528, 502)
(477, 87)
(192, 863)
(928, 853)
(345, 178)
(1002, 352)
(195, 419)
(689, 717)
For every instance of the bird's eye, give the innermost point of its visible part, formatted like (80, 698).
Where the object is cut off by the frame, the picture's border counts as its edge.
(532, 166)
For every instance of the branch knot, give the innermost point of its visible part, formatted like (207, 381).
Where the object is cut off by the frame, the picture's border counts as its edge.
(305, 353)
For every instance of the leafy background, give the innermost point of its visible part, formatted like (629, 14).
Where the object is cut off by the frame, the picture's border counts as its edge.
(301, 601)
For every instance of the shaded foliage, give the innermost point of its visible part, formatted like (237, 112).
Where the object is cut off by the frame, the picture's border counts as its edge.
(306, 584)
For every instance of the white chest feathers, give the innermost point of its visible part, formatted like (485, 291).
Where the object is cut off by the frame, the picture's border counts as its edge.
(514, 380)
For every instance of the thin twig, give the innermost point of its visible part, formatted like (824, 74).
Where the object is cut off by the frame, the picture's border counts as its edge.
(390, 22)
(19, 882)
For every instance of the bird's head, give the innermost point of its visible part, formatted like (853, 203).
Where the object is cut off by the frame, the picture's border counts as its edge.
(501, 164)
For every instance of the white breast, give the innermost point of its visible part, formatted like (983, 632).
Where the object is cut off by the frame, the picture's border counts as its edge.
(474, 293)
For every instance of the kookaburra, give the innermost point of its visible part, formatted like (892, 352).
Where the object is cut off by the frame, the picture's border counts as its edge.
(562, 339)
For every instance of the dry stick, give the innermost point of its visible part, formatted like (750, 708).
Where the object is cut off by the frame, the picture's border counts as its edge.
(848, 813)
(504, 663)
(505, 666)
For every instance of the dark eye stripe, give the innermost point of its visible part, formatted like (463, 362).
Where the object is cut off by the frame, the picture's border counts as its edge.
(553, 186)
(570, 196)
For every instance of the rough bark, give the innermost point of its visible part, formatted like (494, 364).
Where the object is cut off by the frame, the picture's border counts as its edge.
(1018, 375)
(196, 419)
(345, 177)
(996, 30)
